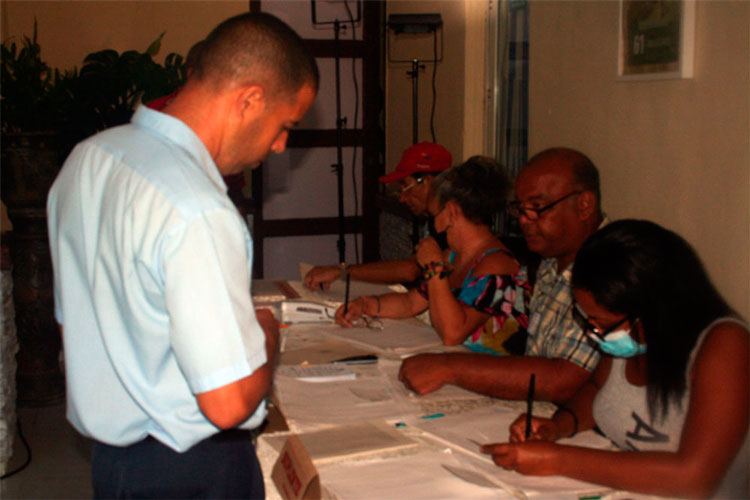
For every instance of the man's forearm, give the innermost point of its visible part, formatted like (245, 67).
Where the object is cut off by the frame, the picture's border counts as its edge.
(507, 377)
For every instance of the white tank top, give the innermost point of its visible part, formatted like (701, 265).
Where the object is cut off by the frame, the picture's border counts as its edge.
(620, 411)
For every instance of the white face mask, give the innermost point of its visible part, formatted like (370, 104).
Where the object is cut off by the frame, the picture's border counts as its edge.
(620, 344)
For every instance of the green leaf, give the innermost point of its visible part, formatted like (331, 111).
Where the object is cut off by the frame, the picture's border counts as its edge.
(153, 49)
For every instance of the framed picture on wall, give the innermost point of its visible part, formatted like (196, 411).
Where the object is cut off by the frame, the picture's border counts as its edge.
(656, 39)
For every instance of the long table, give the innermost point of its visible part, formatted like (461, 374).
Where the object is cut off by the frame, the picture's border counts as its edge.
(371, 438)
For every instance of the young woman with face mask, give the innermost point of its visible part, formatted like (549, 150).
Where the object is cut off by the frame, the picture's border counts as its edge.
(475, 289)
(673, 392)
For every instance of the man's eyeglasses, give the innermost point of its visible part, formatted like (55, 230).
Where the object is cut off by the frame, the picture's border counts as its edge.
(402, 189)
(516, 210)
(589, 327)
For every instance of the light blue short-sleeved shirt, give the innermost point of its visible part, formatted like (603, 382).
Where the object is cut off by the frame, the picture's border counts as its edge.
(152, 284)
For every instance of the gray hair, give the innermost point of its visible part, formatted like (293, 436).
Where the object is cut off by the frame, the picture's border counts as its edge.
(479, 186)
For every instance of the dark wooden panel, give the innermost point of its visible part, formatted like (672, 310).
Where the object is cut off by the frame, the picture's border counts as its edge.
(321, 138)
(327, 48)
(307, 227)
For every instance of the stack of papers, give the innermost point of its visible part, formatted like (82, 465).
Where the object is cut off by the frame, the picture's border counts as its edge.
(269, 291)
(316, 373)
(308, 407)
(356, 440)
(401, 337)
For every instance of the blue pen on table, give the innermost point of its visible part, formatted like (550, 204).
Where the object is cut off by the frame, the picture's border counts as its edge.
(530, 405)
(434, 415)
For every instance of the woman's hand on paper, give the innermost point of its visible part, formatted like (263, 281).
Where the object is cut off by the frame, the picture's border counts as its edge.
(537, 458)
(348, 314)
(542, 429)
(321, 277)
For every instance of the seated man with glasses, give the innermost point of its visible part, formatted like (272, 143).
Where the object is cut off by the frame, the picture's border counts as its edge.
(419, 165)
(557, 204)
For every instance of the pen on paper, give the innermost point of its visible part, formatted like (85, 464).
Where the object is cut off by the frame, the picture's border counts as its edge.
(530, 405)
(475, 442)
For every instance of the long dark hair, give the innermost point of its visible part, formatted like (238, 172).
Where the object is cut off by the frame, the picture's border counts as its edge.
(644, 271)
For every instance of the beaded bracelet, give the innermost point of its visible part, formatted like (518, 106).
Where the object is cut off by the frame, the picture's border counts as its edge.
(439, 269)
(565, 409)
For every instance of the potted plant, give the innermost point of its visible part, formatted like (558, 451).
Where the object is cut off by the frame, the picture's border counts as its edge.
(43, 113)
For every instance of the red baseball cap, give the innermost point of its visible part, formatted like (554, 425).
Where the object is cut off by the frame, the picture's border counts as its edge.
(420, 159)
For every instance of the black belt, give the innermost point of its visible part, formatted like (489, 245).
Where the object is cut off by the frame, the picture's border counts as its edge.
(231, 435)
(227, 436)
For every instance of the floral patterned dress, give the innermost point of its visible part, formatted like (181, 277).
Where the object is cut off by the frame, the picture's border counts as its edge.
(505, 297)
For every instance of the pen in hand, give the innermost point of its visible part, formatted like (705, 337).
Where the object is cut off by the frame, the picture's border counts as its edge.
(346, 294)
(530, 405)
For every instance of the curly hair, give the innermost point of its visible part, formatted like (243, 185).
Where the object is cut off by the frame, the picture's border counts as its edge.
(479, 186)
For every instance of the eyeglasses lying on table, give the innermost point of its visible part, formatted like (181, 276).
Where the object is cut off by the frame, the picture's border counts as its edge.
(369, 322)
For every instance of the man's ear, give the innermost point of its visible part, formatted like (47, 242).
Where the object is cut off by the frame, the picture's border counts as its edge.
(586, 204)
(250, 100)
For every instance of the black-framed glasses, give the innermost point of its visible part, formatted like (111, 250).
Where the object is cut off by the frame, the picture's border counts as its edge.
(516, 210)
(589, 327)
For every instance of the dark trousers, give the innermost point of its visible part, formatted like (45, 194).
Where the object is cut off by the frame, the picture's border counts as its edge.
(222, 466)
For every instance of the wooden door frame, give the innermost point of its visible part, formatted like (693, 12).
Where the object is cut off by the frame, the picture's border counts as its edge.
(370, 138)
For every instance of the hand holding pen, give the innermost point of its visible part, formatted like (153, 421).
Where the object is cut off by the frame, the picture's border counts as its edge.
(528, 428)
(539, 429)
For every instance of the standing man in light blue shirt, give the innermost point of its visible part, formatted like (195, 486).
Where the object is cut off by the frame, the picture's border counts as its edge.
(167, 361)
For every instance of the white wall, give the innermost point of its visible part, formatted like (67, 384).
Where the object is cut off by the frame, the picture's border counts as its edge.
(449, 111)
(673, 151)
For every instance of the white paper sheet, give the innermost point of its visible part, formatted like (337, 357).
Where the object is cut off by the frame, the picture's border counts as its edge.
(337, 292)
(414, 477)
(314, 406)
(321, 351)
(491, 425)
(402, 337)
(356, 440)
